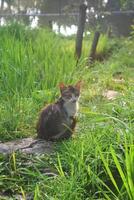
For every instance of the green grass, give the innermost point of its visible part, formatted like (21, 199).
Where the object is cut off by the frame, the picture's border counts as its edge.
(31, 66)
(98, 162)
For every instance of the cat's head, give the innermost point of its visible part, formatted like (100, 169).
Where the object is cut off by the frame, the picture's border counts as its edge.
(70, 93)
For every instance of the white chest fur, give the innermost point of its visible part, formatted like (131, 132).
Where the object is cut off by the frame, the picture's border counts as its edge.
(71, 108)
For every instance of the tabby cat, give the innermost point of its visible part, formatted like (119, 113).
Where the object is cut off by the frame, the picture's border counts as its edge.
(58, 120)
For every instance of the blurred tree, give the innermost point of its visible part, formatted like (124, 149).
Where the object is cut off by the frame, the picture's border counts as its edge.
(2, 4)
(127, 4)
(113, 5)
(96, 4)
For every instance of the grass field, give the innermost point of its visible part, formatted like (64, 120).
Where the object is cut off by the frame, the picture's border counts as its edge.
(98, 162)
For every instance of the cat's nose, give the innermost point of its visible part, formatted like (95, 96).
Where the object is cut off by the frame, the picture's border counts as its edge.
(74, 100)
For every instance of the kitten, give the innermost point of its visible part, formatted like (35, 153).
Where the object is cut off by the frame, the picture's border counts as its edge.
(58, 120)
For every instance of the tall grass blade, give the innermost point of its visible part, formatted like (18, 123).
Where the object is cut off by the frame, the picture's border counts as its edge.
(23, 193)
(105, 162)
(59, 167)
(36, 193)
(123, 176)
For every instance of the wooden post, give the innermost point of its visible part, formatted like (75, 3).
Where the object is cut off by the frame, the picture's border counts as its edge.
(81, 25)
(94, 46)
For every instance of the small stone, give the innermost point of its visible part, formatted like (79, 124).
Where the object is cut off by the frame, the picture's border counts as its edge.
(27, 146)
(110, 94)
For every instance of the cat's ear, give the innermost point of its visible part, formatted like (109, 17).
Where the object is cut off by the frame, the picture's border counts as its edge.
(62, 86)
(78, 85)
